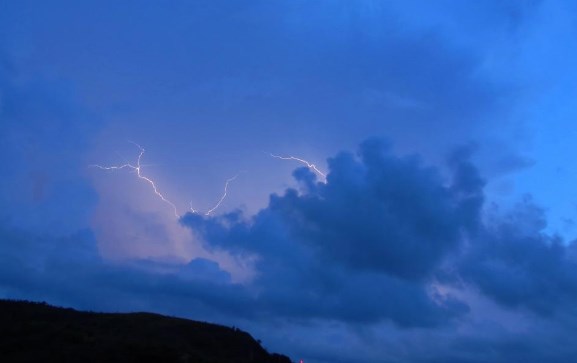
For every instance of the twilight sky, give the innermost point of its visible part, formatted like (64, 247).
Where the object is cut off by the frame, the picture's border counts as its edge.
(444, 230)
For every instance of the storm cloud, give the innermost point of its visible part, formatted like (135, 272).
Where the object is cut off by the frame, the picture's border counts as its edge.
(320, 256)
(420, 248)
(517, 263)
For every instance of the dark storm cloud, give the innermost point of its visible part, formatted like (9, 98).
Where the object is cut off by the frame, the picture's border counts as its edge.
(360, 246)
(377, 212)
(515, 262)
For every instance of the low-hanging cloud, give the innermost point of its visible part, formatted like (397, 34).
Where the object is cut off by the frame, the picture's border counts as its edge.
(520, 266)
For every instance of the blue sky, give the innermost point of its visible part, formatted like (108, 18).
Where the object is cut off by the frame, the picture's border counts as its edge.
(443, 232)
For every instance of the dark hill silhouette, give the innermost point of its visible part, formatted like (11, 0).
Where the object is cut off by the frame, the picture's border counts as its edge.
(37, 332)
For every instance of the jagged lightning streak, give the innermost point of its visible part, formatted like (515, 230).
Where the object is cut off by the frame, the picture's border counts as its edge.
(138, 169)
(311, 166)
(228, 181)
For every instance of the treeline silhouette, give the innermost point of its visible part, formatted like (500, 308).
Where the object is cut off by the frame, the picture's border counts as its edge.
(38, 332)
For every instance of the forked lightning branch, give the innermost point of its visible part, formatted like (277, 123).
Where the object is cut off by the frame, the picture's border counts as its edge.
(137, 169)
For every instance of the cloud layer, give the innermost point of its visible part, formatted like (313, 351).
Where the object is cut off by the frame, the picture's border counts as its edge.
(386, 242)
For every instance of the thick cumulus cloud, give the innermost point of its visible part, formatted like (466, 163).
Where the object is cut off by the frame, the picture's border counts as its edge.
(360, 247)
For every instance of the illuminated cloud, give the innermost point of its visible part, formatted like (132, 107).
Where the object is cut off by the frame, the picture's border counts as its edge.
(138, 169)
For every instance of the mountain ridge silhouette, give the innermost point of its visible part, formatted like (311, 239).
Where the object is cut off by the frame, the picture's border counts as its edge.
(38, 332)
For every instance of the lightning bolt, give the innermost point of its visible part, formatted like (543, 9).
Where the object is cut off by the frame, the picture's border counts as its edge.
(228, 181)
(192, 209)
(138, 169)
(311, 166)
